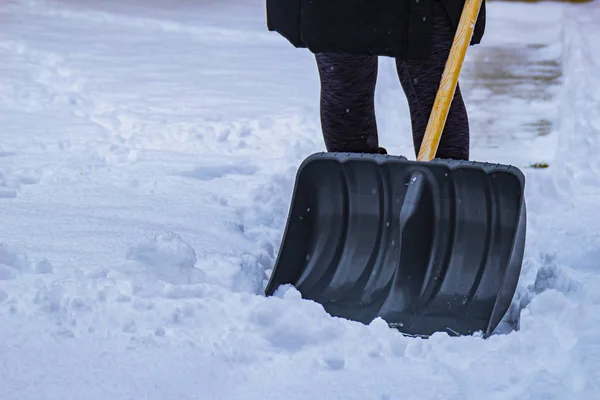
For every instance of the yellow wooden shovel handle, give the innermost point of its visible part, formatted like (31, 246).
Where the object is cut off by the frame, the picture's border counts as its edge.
(445, 93)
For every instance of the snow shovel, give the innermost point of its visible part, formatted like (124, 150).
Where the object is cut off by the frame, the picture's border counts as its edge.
(428, 245)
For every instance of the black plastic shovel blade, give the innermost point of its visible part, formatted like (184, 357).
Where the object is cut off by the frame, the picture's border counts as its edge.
(427, 246)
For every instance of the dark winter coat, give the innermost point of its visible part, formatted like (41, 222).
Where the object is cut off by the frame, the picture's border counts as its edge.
(395, 28)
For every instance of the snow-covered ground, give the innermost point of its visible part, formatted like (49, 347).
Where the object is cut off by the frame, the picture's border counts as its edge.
(147, 157)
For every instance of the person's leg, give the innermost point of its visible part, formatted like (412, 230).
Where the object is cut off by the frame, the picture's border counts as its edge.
(420, 80)
(348, 102)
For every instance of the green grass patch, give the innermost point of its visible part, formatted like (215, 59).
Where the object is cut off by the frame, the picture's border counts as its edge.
(539, 165)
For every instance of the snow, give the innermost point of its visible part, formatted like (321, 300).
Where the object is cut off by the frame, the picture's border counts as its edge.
(147, 159)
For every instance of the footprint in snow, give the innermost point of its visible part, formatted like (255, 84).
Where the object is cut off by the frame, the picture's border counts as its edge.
(11, 181)
(334, 362)
(13, 264)
(211, 172)
(6, 193)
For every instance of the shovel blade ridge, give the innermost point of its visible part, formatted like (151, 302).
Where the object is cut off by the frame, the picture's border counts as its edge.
(427, 246)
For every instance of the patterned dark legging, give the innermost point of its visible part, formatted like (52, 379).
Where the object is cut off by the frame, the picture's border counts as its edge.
(348, 91)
